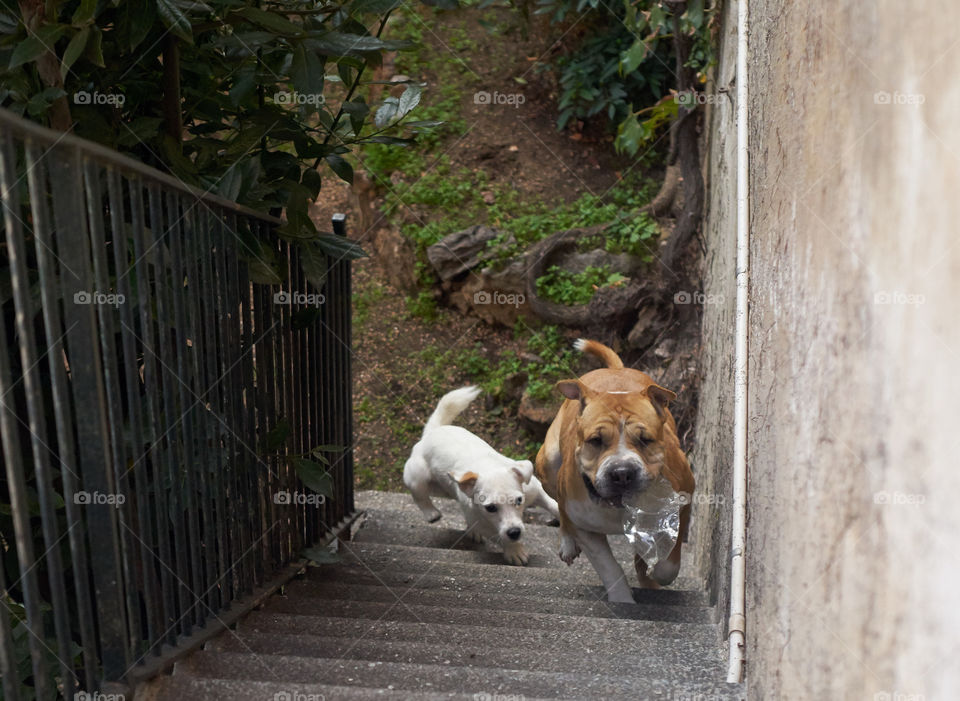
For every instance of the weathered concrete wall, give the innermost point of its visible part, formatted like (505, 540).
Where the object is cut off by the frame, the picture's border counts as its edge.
(854, 349)
(713, 453)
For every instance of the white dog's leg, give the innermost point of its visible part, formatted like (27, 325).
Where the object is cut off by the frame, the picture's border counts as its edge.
(515, 554)
(416, 475)
(597, 549)
(474, 526)
(534, 495)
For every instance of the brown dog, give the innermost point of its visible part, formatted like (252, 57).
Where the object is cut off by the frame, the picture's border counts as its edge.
(612, 438)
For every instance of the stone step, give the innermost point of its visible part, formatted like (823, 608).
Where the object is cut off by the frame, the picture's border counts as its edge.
(405, 525)
(505, 582)
(589, 634)
(409, 558)
(192, 688)
(667, 659)
(311, 595)
(419, 609)
(434, 678)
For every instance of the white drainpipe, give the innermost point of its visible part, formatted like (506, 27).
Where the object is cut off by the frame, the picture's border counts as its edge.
(737, 621)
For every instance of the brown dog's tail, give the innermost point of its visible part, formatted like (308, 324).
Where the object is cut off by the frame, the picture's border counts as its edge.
(607, 355)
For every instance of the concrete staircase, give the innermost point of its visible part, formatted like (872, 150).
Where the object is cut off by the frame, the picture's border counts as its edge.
(418, 611)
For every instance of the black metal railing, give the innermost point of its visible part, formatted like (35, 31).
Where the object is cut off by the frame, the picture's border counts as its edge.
(157, 408)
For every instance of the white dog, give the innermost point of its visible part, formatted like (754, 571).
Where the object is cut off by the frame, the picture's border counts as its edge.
(492, 489)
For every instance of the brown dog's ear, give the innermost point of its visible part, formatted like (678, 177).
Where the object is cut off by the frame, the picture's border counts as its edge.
(569, 389)
(466, 482)
(660, 397)
(575, 390)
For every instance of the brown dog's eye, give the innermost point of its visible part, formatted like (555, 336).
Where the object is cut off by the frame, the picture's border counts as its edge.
(642, 440)
(595, 441)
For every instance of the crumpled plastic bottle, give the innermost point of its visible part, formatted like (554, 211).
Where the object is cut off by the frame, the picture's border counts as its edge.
(651, 521)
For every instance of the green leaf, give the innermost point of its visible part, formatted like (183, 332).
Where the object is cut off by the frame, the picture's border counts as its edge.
(277, 436)
(35, 45)
(314, 475)
(312, 180)
(306, 72)
(94, 48)
(175, 19)
(341, 44)
(74, 50)
(84, 12)
(377, 7)
(339, 247)
(314, 263)
(386, 112)
(632, 57)
(135, 21)
(320, 556)
(270, 20)
(341, 167)
(408, 100)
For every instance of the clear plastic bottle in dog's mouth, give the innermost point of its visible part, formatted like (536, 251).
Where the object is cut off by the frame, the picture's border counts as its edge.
(651, 520)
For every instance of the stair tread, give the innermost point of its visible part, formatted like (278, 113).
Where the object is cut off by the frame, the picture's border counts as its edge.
(403, 610)
(600, 633)
(661, 658)
(313, 594)
(434, 677)
(185, 686)
(377, 556)
(506, 582)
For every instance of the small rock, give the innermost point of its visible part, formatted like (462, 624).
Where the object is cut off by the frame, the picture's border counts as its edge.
(459, 252)
(536, 417)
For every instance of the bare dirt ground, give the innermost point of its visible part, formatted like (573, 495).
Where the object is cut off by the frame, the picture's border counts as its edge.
(397, 377)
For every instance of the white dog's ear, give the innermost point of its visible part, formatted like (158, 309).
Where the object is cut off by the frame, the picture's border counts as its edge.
(467, 482)
(524, 470)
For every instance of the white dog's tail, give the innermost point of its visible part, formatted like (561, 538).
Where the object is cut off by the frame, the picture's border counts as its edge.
(450, 406)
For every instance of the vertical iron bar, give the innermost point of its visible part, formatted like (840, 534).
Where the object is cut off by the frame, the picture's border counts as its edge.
(144, 252)
(9, 431)
(147, 563)
(214, 413)
(34, 393)
(89, 400)
(194, 253)
(53, 329)
(188, 401)
(111, 385)
(177, 563)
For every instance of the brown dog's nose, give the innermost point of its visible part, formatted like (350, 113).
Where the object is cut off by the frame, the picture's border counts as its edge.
(514, 533)
(623, 476)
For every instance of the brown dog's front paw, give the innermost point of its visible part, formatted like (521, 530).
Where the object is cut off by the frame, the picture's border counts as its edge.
(569, 550)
